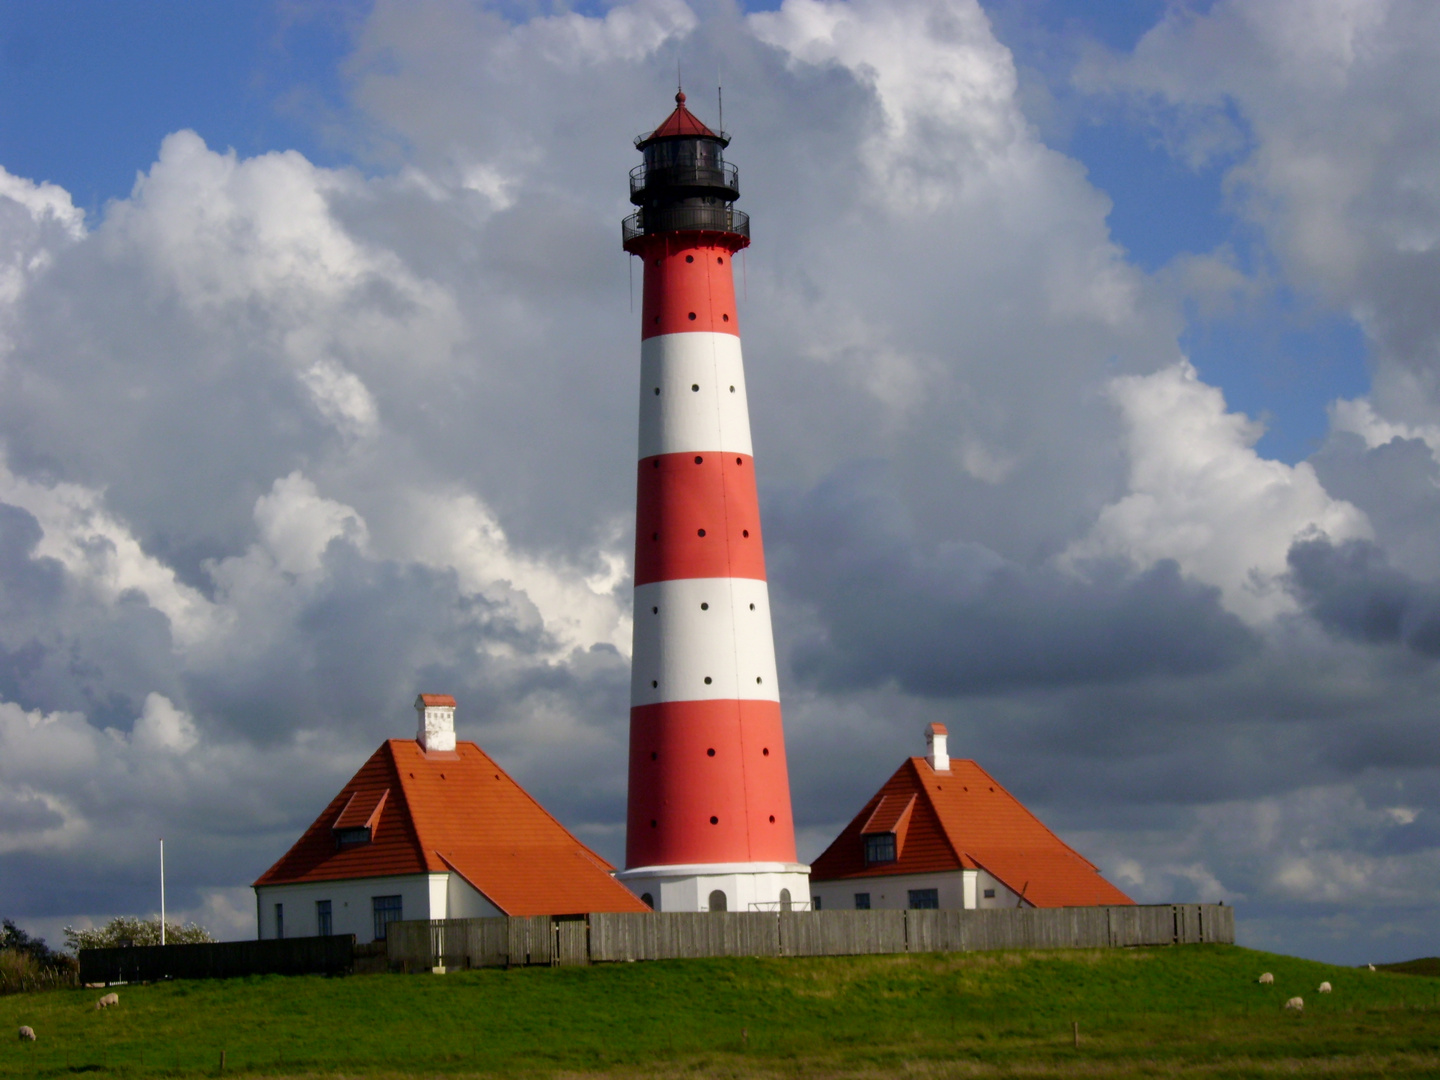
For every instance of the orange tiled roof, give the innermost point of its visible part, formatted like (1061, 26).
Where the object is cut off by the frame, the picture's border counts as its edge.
(963, 820)
(455, 811)
(438, 700)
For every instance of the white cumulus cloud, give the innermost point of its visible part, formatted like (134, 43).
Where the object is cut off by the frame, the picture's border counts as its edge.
(1198, 493)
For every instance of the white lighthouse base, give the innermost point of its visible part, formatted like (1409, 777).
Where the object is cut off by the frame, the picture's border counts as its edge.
(760, 886)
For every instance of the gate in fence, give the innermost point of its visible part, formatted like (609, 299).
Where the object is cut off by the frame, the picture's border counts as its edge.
(618, 937)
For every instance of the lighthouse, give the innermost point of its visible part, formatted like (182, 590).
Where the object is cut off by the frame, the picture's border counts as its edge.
(709, 826)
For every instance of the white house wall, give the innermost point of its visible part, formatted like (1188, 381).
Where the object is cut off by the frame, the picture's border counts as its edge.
(464, 902)
(892, 892)
(957, 889)
(351, 909)
(1004, 896)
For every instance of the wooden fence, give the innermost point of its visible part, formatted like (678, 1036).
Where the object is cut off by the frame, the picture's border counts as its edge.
(219, 960)
(620, 937)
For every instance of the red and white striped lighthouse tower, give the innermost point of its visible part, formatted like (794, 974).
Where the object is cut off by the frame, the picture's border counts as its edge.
(709, 825)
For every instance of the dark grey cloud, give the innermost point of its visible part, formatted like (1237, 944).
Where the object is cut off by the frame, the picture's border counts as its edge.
(58, 650)
(1353, 591)
(1397, 484)
(956, 619)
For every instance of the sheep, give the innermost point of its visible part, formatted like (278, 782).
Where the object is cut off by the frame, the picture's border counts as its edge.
(1325, 987)
(109, 999)
(27, 1033)
(1266, 979)
(1370, 966)
(1298, 1004)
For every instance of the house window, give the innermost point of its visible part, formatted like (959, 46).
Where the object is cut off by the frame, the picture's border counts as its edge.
(279, 920)
(387, 910)
(785, 903)
(647, 900)
(879, 848)
(351, 837)
(816, 904)
(989, 894)
(322, 918)
(924, 898)
(717, 901)
(862, 901)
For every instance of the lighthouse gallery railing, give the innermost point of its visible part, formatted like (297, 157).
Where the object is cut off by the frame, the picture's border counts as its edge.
(685, 219)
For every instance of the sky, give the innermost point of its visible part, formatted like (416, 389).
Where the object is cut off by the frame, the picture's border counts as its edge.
(1093, 358)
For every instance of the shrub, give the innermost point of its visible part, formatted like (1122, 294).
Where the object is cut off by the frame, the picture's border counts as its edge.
(27, 963)
(128, 930)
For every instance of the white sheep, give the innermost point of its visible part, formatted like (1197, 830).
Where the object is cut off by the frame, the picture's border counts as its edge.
(1266, 979)
(1298, 1004)
(1325, 988)
(1370, 966)
(109, 999)
(27, 1033)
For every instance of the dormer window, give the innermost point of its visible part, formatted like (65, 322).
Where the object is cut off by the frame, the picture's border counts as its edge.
(879, 848)
(359, 820)
(884, 832)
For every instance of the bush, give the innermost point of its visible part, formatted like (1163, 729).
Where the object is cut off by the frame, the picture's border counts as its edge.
(27, 963)
(126, 930)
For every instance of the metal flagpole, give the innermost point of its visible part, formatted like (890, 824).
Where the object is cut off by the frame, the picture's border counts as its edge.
(162, 890)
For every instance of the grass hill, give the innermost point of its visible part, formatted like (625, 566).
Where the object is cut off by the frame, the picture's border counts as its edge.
(1428, 965)
(1190, 1011)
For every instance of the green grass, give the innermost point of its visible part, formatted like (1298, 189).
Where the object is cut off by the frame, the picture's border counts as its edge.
(1192, 1011)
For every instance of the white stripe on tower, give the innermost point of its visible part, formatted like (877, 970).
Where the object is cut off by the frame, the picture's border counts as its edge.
(701, 404)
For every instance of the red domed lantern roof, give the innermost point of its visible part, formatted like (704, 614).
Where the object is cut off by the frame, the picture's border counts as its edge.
(680, 124)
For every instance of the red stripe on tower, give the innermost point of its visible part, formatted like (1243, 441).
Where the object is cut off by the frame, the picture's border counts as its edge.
(709, 824)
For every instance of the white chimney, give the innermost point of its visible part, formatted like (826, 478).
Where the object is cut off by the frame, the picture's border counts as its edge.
(935, 752)
(437, 722)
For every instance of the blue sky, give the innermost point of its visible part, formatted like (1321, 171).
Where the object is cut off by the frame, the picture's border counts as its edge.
(285, 437)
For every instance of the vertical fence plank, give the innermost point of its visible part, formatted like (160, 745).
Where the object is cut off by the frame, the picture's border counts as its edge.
(572, 942)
